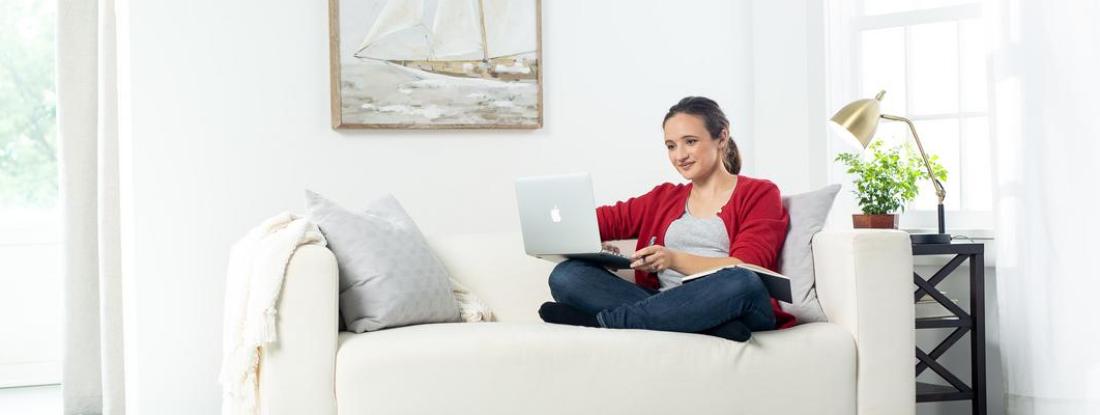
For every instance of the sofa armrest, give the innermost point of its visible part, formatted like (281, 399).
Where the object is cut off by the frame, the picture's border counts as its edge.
(864, 282)
(297, 372)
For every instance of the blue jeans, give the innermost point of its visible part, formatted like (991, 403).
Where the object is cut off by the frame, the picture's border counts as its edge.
(732, 293)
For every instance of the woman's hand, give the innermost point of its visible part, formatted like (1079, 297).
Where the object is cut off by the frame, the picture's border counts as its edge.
(653, 258)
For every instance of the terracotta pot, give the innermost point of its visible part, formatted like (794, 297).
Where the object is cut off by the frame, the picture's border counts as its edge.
(888, 221)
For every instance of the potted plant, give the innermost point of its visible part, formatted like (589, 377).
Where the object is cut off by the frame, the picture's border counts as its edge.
(887, 182)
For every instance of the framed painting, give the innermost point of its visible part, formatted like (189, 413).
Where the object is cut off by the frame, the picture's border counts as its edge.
(435, 63)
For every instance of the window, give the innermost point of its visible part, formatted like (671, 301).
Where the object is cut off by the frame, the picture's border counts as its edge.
(930, 58)
(30, 283)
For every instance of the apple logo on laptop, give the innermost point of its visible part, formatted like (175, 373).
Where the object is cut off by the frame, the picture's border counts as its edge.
(555, 214)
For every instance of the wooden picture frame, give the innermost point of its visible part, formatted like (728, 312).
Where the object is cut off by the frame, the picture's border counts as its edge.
(474, 73)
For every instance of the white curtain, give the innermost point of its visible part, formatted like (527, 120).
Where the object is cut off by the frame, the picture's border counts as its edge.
(92, 371)
(1046, 89)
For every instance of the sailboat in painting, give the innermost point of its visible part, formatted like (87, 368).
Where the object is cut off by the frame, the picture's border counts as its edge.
(489, 39)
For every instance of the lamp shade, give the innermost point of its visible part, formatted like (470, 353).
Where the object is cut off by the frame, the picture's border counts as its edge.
(860, 118)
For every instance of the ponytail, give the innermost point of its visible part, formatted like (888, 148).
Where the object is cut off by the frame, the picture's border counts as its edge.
(732, 161)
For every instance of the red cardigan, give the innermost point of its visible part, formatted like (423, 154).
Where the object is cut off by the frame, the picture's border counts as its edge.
(754, 217)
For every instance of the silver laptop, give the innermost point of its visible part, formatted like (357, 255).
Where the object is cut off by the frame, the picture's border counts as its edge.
(558, 217)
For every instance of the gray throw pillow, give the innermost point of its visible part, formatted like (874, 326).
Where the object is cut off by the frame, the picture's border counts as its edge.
(808, 212)
(389, 276)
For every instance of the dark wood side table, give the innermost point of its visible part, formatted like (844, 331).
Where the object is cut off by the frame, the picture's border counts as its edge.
(960, 320)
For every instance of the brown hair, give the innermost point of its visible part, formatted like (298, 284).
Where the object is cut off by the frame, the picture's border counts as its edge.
(715, 121)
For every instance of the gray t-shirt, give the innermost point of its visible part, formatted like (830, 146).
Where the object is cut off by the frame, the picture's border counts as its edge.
(704, 237)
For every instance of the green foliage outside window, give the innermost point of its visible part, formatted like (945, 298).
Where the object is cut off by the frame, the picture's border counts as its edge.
(887, 182)
(28, 156)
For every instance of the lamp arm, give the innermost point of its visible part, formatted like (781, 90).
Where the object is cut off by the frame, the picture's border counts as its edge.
(940, 193)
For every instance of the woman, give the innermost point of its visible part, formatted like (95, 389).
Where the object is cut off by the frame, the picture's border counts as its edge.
(720, 218)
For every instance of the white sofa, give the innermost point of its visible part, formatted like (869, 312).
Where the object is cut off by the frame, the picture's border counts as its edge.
(861, 362)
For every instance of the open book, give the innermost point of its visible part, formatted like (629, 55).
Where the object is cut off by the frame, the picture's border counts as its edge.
(778, 285)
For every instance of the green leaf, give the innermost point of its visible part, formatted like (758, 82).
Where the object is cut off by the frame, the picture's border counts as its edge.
(889, 180)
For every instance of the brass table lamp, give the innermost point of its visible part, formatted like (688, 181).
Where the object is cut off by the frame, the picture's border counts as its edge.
(860, 118)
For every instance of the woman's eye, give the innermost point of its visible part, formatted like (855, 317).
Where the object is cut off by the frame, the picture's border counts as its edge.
(669, 147)
(691, 141)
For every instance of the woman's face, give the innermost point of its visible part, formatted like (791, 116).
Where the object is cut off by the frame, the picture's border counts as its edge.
(691, 149)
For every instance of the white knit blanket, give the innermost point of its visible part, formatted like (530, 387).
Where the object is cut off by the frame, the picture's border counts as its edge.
(257, 266)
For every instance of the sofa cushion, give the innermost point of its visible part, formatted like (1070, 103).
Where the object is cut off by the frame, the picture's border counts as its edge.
(808, 212)
(389, 276)
(538, 368)
(512, 283)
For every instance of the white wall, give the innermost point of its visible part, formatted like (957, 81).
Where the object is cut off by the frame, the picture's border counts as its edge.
(226, 121)
(788, 93)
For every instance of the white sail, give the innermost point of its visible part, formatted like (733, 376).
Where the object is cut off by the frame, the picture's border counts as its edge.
(456, 32)
(509, 27)
(398, 33)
